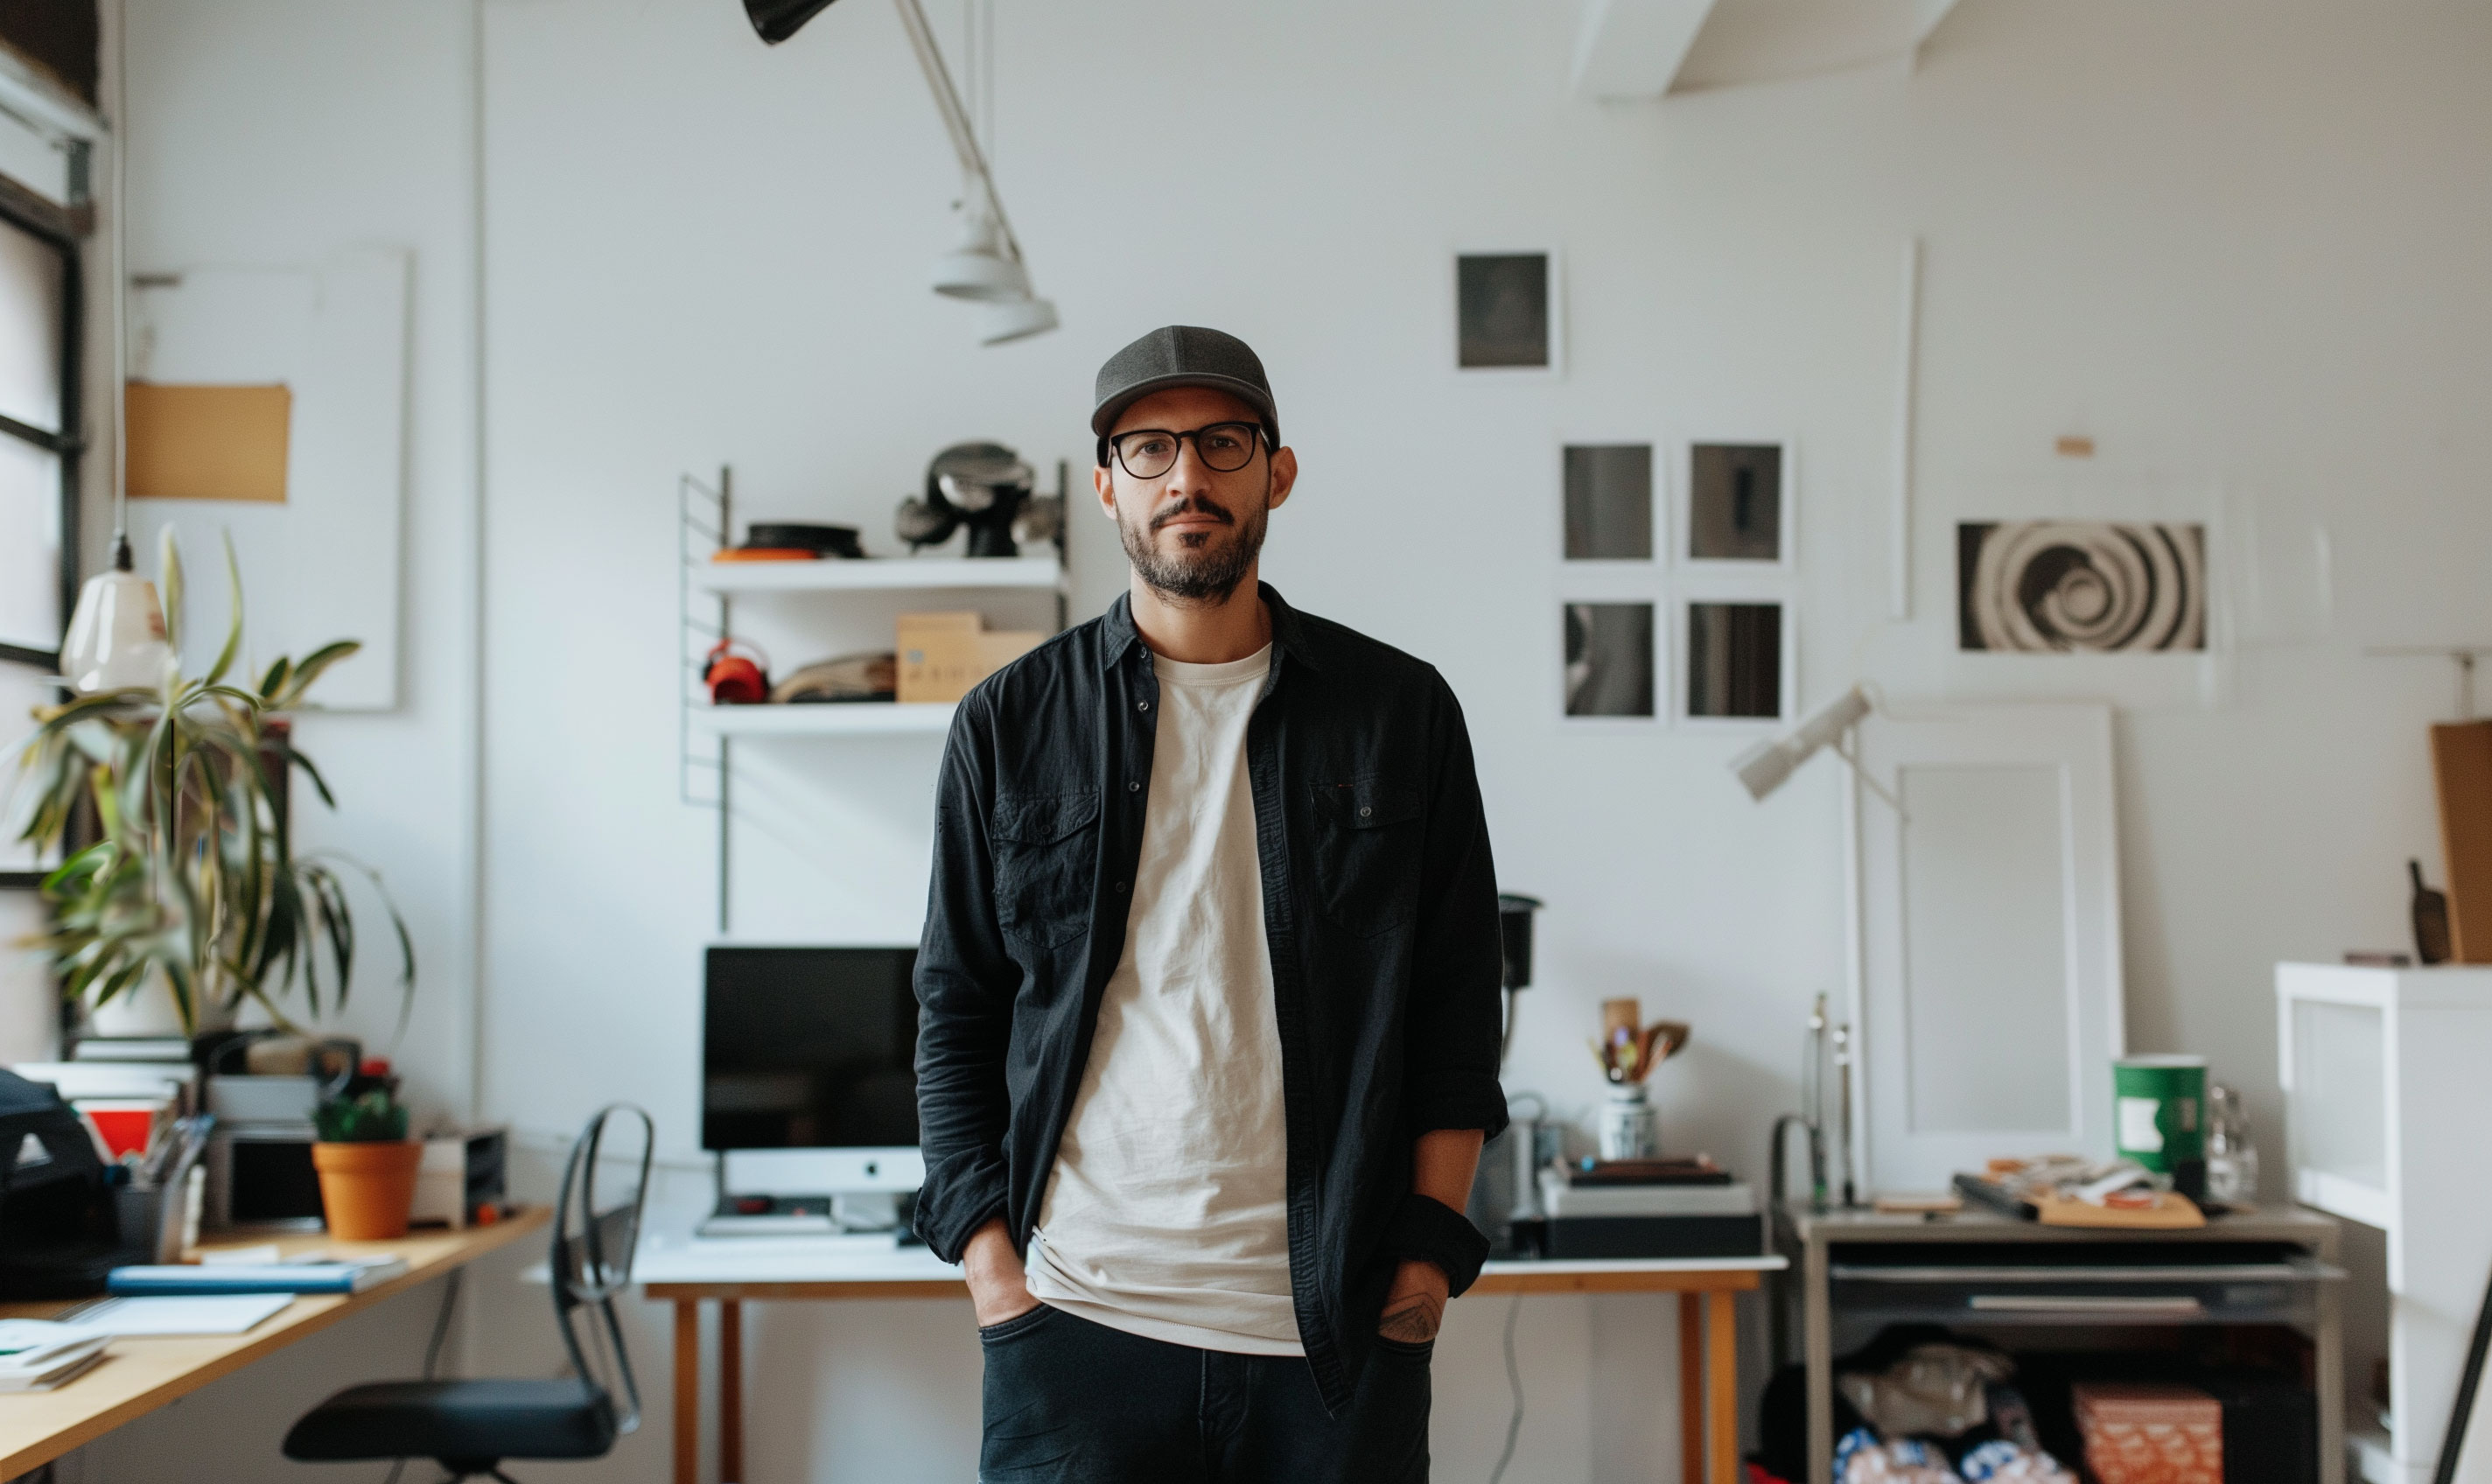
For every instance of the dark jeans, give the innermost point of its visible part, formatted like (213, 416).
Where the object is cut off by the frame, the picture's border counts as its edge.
(1072, 1401)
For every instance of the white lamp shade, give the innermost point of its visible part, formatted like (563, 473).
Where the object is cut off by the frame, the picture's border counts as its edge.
(116, 636)
(979, 273)
(1012, 319)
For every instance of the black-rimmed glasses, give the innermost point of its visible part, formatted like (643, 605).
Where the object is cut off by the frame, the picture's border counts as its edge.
(1225, 448)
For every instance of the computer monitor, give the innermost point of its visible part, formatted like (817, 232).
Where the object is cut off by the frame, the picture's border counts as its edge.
(809, 1081)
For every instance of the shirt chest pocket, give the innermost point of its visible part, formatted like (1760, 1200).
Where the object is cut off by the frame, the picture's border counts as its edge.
(1367, 840)
(1047, 850)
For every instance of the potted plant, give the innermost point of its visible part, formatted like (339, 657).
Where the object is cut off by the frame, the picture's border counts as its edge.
(365, 1162)
(181, 883)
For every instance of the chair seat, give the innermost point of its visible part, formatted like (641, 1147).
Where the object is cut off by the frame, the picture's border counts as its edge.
(456, 1419)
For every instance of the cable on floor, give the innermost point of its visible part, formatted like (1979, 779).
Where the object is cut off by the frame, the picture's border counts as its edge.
(1513, 1379)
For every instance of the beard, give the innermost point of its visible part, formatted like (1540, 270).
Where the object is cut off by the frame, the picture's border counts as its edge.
(1208, 565)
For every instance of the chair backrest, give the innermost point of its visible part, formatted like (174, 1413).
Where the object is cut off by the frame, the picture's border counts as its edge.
(595, 1233)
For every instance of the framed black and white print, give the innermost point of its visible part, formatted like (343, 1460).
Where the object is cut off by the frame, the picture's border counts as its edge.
(2081, 587)
(1736, 502)
(1609, 657)
(1507, 312)
(1608, 501)
(1736, 663)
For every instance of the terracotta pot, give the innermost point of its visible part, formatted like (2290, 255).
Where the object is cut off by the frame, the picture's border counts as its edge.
(368, 1189)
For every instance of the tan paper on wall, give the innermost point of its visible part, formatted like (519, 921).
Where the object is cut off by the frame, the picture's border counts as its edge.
(942, 655)
(2461, 766)
(208, 443)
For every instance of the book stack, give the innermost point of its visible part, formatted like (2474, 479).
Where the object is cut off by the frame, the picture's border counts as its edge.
(38, 1355)
(1648, 1208)
(340, 1275)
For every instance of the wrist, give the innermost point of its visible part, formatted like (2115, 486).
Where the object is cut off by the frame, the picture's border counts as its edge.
(1426, 1230)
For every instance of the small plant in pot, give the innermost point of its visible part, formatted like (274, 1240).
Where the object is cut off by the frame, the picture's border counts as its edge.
(365, 1162)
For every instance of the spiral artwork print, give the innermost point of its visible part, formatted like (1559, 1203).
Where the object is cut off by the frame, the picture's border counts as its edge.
(2081, 586)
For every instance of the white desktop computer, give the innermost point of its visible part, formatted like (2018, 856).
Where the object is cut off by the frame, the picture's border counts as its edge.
(809, 1090)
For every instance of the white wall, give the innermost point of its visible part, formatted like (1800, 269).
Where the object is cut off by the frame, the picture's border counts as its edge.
(273, 133)
(2239, 249)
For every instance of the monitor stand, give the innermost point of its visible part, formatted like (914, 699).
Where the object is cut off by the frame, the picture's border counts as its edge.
(876, 1211)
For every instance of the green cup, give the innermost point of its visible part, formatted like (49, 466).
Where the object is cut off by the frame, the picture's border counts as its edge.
(2159, 1112)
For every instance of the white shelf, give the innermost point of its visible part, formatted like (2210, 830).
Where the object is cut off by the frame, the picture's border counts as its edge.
(833, 574)
(826, 719)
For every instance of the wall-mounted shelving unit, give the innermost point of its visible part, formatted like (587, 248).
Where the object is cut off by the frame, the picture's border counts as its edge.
(863, 719)
(895, 574)
(706, 591)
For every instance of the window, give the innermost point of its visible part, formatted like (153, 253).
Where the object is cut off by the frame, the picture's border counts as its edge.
(39, 456)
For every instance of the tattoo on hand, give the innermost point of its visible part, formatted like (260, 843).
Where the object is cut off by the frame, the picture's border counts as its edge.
(1410, 1320)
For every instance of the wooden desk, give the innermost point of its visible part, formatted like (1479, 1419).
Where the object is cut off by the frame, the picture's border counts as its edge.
(731, 1271)
(138, 1375)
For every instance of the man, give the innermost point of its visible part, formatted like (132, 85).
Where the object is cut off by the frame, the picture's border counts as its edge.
(1209, 1017)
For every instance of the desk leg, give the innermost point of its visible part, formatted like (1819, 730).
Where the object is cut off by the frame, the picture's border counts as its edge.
(731, 1392)
(1722, 1387)
(686, 1391)
(1691, 1388)
(1817, 1327)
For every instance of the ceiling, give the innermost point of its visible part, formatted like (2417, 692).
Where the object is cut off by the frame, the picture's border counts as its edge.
(1649, 49)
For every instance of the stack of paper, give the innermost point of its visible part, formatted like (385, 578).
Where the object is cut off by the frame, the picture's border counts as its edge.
(184, 1314)
(38, 1355)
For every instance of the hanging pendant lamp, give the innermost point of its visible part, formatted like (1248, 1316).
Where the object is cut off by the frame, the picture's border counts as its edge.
(987, 266)
(116, 632)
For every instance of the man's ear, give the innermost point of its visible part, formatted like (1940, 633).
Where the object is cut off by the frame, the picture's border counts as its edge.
(1285, 475)
(1104, 480)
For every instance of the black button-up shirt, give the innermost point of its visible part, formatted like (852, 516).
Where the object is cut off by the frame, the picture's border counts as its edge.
(1380, 905)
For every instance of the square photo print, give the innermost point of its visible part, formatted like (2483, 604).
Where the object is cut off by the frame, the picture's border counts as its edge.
(1735, 661)
(2080, 587)
(1502, 311)
(1734, 502)
(1609, 658)
(1609, 502)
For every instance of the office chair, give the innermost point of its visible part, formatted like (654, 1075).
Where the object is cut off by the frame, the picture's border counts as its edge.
(469, 1427)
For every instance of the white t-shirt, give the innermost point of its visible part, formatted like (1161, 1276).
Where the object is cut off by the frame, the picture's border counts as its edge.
(1166, 1214)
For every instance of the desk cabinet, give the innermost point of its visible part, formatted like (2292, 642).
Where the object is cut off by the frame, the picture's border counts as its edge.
(2026, 1285)
(2387, 1092)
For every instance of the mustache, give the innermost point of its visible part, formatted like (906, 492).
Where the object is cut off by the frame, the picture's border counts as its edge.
(1195, 505)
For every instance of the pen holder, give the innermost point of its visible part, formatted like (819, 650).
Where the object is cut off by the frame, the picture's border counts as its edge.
(156, 1223)
(1628, 1128)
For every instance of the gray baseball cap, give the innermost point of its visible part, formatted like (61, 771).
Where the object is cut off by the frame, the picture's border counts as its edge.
(1182, 355)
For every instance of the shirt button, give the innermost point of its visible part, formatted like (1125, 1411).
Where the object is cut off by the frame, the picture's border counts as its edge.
(1142, 705)
(1133, 788)
(1121, 888)
(1365, 811)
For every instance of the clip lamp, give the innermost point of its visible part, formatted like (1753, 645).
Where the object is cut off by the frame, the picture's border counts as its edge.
(1765, 766)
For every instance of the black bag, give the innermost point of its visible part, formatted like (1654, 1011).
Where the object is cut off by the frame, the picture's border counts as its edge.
(58, 1230)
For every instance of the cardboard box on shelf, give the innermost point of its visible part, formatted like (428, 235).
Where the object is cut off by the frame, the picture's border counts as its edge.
(942, 655)
(2150, 1433)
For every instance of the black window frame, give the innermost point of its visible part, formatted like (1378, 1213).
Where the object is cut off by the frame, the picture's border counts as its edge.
(58, 228)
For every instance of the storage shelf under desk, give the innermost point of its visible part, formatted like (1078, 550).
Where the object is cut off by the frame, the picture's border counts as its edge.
(1855, 1272)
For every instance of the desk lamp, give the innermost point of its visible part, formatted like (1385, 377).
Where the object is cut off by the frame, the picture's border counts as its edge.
(1762, 769)
(987, 265)
(1765, 766)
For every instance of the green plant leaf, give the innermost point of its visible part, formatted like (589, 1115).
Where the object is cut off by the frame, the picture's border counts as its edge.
(233, 630)
(168, 561)
(319, 785)
(310, 670)
(274, 680)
